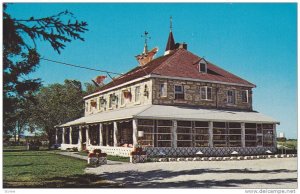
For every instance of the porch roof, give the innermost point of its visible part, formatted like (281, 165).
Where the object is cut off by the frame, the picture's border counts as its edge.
(119, 114)
(173, 112)
(189, 113)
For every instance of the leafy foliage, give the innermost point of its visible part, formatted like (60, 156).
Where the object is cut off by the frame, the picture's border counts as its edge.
(57, 104)
(20, 58)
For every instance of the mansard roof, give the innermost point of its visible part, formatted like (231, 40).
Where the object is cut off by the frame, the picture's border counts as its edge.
(179, 64)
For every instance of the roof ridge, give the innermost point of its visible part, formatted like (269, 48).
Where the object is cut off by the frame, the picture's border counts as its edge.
(164, 63)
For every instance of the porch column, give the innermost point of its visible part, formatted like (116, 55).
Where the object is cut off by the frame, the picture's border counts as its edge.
(243, 135)
(115, 134)
(100, 134)
(70, 135)
(135, 133)
(211, 134)
(56, 135)
(174, 134)
(63, 135)
(274, 135)
(80, 143)
(87, 133)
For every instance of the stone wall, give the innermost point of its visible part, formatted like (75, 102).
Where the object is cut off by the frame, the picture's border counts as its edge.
(192, 94)
(128, 102)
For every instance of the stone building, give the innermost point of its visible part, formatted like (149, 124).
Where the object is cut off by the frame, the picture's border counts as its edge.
(176, 105)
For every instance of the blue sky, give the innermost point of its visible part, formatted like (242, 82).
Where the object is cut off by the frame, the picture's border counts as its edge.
(257, 42)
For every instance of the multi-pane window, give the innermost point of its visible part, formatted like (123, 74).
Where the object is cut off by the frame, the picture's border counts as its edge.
(164, 133)
(179, 92)
(148, 127)
(231, 97)
(184, 133)
(206, 93)
(201, 134)
(137, 94)
(268, 134)
(219, 134)
(245, 96)
(250, 135)
(163, 89)
(234, 134)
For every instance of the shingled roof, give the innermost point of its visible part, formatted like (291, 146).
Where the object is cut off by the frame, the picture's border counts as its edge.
(180, 63)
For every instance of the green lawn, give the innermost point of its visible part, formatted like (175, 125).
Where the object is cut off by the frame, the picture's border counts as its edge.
(42, 169)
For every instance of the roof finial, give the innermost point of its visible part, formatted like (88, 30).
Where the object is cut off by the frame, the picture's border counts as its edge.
(170, 23)
(146, 41)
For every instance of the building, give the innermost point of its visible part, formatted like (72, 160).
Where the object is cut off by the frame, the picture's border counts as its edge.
(175, 105)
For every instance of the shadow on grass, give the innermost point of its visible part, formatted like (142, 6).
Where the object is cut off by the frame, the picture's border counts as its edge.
(75, 181)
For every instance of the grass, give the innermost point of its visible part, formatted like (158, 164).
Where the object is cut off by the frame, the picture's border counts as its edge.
(45, 169)
(109, 157)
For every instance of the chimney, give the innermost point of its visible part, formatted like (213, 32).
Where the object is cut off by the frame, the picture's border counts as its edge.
(181, 45)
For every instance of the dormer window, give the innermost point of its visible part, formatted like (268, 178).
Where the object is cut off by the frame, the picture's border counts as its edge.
(203, 66)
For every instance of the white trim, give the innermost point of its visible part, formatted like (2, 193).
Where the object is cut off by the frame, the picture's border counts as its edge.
(205, 93)
(202, 62)
(118, 86)
(207, 81)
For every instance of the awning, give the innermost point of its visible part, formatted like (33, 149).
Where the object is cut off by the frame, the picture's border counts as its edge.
(120, 114)
(194, 114)
(173, 113)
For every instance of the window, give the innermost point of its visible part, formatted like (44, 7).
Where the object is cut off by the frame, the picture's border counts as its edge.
(231, 96)
(122, 98)
(164, 133)
(137, 94)
(179, 93)
(148, 127)
(203, 68)
(184, 133)
(206, 93)
(86, 107)
(163, 89)
(110, 101)
(201, 134)
(245, 96)
(250, 135)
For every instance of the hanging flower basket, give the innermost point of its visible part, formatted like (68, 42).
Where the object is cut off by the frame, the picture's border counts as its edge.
(127, 94)
(93, 103)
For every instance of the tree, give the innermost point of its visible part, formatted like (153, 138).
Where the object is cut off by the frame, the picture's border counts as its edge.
(90, 88)
(20, 58)
(57, 104)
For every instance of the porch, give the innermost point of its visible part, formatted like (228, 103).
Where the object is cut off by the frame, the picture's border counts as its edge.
(171, 131)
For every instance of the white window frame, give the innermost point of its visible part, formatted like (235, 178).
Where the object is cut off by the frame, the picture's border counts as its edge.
(137, 96)
(247, 96)
(182, 92)
(202, 61)
(234, 97)
(110, 102)
(122, 100)
(163, 89)
(206, 93)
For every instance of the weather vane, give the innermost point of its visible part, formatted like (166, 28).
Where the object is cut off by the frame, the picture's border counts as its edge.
(171, 24)
(146, 37)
